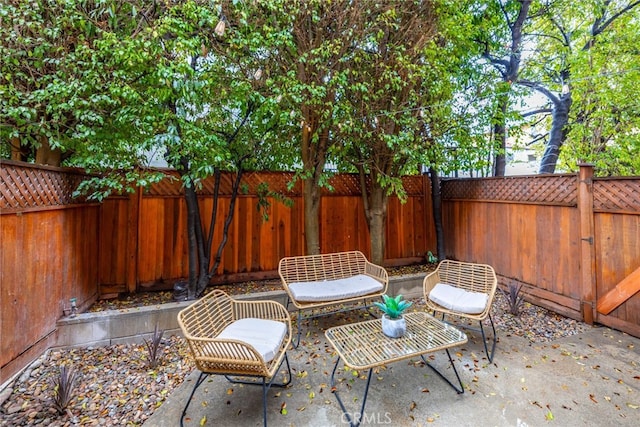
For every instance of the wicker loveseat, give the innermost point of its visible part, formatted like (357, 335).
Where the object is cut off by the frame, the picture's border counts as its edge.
(339, 280)
(465, 290)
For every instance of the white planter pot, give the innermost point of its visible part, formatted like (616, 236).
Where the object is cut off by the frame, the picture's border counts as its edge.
(394, 328)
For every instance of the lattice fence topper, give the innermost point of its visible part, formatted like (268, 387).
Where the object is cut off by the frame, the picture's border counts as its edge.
(618, 194)
(24, 187)
(251, 181)
(342, 184)
(543, 189)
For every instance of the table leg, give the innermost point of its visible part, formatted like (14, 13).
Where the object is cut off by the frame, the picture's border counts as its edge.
(460, 389)
(357, 418)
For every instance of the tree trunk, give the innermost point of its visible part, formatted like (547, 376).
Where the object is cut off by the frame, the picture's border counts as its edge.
(313, 159)
(509, 69)
(375, 210)
(500, 138)
(192, 202)
(45, 155)
(16, 150)
(559, 130)
(227, 222)
(312, 216)
(198, 259)
(436, 202)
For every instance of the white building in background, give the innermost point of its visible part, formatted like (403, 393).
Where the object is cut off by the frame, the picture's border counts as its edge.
(156, 159)
(521, 161)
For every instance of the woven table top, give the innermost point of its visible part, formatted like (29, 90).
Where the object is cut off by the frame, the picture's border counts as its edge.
(362, 345)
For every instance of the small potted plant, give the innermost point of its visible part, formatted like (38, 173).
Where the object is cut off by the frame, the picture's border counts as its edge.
(393, 323)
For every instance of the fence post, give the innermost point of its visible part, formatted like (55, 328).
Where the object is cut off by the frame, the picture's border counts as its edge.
(587, 248)
(133, 223)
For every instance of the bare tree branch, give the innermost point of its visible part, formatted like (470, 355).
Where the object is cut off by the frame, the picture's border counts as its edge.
(599, 25)
(538, 87)
(536, 112)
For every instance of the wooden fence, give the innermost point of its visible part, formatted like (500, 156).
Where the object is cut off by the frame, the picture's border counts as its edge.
(143, 242)
(49, 254)
(55, 247)
(568, 238)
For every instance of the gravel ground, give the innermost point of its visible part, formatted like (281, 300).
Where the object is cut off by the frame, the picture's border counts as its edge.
(116, 385)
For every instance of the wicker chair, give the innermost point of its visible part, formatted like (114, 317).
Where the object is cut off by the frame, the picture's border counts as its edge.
(246, 341)
(465, 290)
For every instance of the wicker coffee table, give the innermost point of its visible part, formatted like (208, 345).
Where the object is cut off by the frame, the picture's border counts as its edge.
(363, 346)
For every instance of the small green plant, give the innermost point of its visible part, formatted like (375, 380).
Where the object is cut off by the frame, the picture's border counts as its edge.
(63, 386)
(153, 345)
(431, 259)
(515, 298)
(393, 307)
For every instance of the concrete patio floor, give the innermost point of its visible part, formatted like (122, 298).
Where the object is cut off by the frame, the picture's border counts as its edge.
(588, 379)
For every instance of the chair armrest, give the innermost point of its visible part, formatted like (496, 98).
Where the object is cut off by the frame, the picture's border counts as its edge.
(377, 272)
(429, 282)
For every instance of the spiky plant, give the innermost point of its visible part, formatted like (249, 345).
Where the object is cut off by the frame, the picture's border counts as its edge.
(515, 298)
(153, 345)
(63, 385)
(393, 307)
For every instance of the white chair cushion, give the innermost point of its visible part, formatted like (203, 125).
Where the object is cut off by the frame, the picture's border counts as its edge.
(264, 335)
(331, 290)
(457, 299)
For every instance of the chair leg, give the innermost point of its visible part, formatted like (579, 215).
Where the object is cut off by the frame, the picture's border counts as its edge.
(296, 342)
(264, 402)
(199, 381)
(484, 339)
(266, 385)
(299, 318)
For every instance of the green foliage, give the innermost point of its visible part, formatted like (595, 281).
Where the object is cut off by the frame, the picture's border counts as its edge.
(605, 108)
(53, 88)
(393, 307)
(63, 385)
(587, 52)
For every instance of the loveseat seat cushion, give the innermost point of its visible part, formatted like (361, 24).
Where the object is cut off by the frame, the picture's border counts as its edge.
(457, 299)
(332, 290)
(264, 335)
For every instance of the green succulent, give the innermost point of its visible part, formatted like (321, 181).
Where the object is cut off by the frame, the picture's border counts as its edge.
(393, 307)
